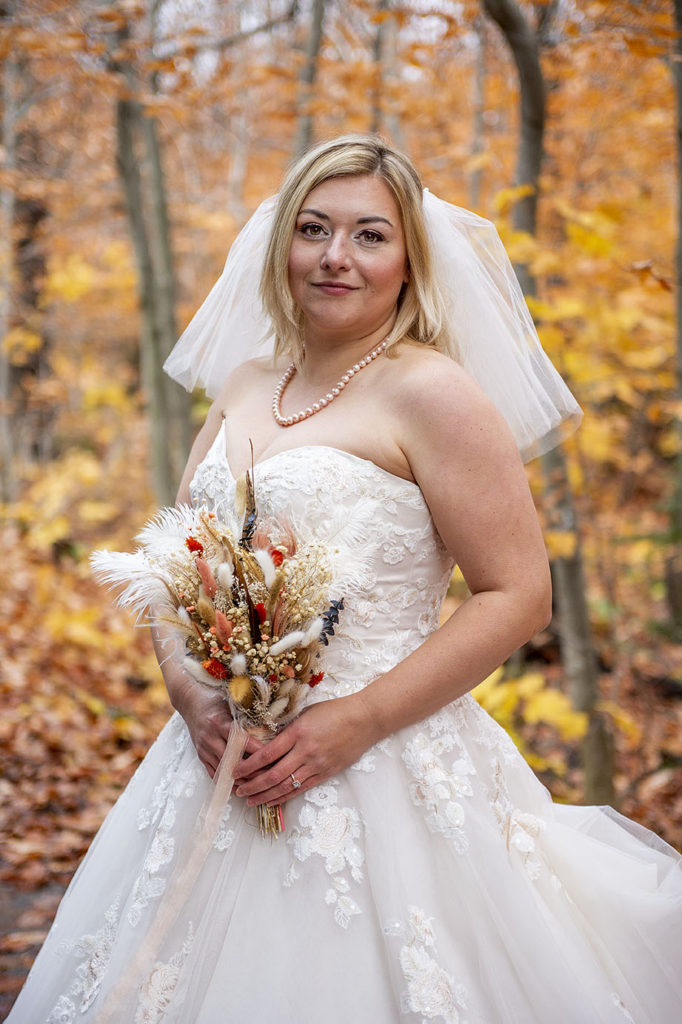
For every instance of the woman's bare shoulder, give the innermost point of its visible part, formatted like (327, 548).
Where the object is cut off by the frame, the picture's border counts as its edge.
(425, 382)
(252, 373)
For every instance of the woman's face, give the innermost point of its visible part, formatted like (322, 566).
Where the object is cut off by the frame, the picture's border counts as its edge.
(347, 261)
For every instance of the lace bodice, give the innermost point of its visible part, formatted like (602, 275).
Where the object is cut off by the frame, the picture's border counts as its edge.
(381, 537)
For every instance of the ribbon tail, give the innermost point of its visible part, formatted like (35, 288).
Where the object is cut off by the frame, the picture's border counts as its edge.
(181, 882)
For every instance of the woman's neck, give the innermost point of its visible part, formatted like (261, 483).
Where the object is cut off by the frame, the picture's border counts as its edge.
(327, 358)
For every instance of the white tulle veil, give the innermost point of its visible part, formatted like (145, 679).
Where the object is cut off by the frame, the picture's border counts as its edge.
(495, 338)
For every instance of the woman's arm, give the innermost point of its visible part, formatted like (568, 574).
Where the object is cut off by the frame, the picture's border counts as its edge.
(205, 713)
(466, 463)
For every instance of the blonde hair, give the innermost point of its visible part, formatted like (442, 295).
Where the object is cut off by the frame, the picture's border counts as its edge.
(421, 314)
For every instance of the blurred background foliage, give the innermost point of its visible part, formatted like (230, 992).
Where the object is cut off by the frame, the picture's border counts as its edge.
(137, 137)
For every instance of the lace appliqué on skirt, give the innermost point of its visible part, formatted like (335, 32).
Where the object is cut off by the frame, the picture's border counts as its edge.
(160, 987)
(331, 832)
(431, 991)
(95, 953)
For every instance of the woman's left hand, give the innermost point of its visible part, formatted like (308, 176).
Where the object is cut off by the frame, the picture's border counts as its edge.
(326, 738)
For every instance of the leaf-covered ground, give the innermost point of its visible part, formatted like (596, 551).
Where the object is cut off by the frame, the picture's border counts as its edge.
(82, 700)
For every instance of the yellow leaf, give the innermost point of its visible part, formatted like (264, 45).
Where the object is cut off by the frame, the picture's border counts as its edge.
(640, 552)
(625, 722)
(79, 626)
(597, 438)
(45, 534)
(19, 344)
(564, 308)
(561, 543)
(648, 358)
(589, 241)
(478, 162)
(488, 693)
(554, 707)
(669, 443)
(489, 683)
(105, 393)
(69, 279)
(530, 683)
(545, 764)
(94, 513)
(128, 728)
(92, 703)
(547, 261)
(457, 576)
(500, 698)
(521, 247)
(551, 337)
(507, 197)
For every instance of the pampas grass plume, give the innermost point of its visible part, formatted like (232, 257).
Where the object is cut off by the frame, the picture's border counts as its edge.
(238, 664)
(267, 565)
(225, 575)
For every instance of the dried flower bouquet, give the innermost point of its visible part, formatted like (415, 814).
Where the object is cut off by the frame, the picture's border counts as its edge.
(251, 606)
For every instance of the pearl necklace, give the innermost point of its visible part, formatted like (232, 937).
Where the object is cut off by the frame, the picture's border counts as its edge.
(304, 414)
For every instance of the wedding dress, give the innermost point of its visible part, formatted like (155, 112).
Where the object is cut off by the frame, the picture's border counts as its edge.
(434, 880)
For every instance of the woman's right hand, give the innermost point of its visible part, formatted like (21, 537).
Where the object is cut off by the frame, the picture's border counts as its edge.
(207, 717)
(208, 720)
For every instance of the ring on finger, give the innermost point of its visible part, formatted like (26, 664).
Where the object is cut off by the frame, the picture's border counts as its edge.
(294, 781)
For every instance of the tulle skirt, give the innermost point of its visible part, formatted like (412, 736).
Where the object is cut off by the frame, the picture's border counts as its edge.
(434, 880)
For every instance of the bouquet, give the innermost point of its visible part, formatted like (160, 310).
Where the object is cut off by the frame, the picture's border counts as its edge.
(251, 606)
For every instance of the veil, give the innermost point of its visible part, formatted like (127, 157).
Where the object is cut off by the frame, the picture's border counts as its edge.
(495, 339)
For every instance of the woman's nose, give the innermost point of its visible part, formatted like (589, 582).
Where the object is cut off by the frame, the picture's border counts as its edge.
(336, 254)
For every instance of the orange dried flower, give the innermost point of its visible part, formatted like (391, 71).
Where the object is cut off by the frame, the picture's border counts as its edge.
(276, 556)
(215, 668)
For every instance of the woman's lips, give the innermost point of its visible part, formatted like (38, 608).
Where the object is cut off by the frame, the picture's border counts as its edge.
(333, 287)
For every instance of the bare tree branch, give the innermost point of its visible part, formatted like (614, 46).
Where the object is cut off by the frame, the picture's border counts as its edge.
(238, 37)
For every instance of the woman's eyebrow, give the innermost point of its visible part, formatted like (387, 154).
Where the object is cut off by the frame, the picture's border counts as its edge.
(314, 213)
(360, 220)
(374, 217)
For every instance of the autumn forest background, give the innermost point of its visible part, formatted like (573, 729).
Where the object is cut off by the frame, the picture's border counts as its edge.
(136, 138)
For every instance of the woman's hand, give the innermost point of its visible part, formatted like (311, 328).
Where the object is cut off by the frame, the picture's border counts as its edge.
(326, 738)
(208, 720)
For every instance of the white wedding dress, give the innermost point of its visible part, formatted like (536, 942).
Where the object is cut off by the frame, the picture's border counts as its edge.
(433, 881)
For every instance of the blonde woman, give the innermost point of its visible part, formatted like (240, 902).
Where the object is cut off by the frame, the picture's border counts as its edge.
(369, 351)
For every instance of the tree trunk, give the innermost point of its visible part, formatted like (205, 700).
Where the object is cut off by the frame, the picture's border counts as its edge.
(479, 107)
(9, 116)
(239, 162)
(377, 118)
(523, 44)
(385, 117)
(127, 127)
(673, 569)
(139, 162)
(177, 402)
(307, 79)
(577, 649)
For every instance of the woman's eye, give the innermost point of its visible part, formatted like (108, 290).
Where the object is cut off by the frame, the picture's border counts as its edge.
(371, 236)
(311, 230)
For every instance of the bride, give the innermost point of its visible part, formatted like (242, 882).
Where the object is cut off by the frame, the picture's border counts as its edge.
(424, 873)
